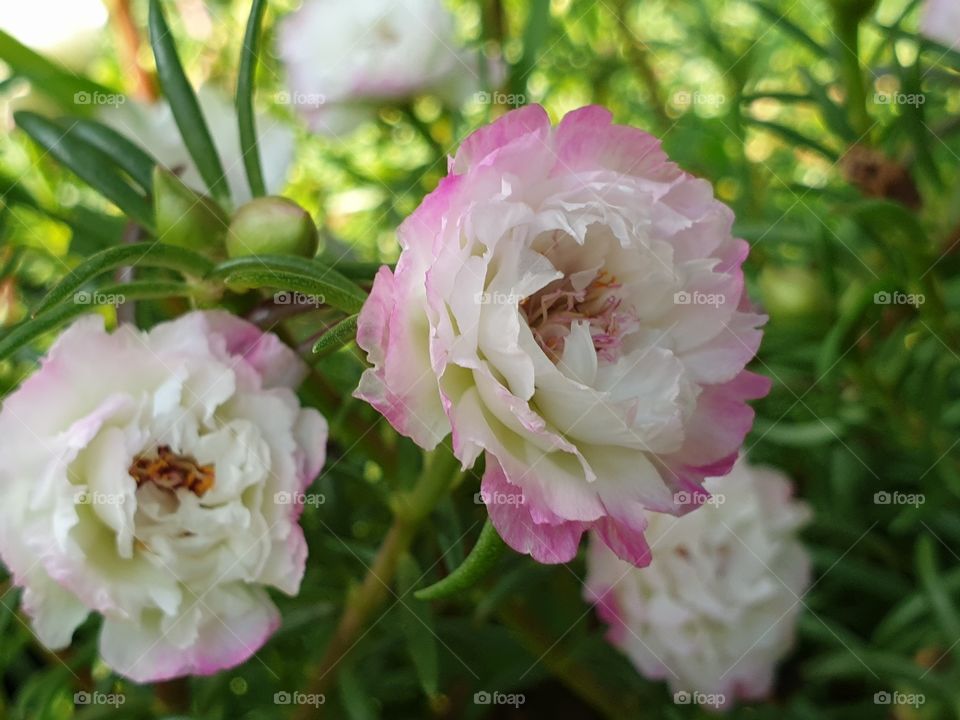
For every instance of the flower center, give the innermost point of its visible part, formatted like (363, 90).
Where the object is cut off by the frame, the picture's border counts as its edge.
(170, 471)
(554, 308)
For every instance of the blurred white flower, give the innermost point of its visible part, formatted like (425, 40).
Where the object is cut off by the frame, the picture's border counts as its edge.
(343, 57)
(941, 22)
(716, 609)
(157, 478)
(153, 127)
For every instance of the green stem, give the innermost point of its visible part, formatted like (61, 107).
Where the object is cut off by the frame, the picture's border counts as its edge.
(847, 29)
(410, 509)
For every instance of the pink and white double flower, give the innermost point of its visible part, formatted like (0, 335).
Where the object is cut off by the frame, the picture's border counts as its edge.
(156, 478)
(571, 303)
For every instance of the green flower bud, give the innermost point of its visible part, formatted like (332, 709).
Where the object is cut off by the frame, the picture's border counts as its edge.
(185, 217)
(272, 226)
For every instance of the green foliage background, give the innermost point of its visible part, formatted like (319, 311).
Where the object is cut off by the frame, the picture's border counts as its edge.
(771, 101)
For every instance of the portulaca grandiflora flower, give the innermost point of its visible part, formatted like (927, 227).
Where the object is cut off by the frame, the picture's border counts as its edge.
(344, 58)
(572, 304)
(157, 478)
(717, 608)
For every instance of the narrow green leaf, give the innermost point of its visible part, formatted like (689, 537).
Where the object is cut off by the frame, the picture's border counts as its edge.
(321, 293)
(914, 116)
(71, 91)
(481, 560)
(337, 336)
(838, 339)
(417, 624)
(151, 254)
(245, 90)
(780, 20)
(911, 610)
(833, 114)
(31, 329)
(354, 270)
(936, 590)
(89, 164)
(784, 97)
(185, 107)
(355, 693)
(303, 275)
(130, 157)
(793, 137)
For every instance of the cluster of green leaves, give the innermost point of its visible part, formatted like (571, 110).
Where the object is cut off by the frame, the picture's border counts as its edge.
(774, 105)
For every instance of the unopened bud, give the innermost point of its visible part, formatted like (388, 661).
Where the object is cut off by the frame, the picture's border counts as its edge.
(272, 226)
